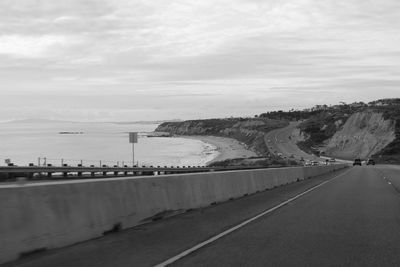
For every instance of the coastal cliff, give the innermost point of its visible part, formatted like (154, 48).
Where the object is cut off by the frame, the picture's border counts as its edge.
(365, 130)
(250, 131)
(364, 134)
(371, 132)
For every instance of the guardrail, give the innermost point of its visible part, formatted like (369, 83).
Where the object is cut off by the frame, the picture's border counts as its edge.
(32, 172)
(84, 172)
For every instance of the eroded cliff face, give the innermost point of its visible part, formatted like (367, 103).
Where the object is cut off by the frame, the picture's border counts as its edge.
(363, 135)
(249, 131)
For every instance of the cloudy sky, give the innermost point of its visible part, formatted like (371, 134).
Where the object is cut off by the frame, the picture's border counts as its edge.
(147, 60)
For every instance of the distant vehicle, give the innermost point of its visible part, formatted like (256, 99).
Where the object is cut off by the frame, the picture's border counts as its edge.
(332, 160)
(357, 162)
(314, 163)
(370, 162)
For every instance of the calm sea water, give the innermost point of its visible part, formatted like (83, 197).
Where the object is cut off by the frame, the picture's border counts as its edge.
(106, 142)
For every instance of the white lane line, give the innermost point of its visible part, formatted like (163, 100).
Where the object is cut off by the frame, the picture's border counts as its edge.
(218, 236)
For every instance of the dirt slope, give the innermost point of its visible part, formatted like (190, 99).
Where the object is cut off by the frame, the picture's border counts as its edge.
(363, 135)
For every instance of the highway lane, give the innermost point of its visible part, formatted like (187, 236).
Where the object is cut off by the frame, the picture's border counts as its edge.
(353, 220)
(278, 140)
(284, 141)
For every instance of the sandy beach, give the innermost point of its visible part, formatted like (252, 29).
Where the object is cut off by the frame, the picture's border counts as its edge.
(227, 148)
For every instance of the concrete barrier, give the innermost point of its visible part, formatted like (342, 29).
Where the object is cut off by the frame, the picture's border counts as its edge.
(48, 215)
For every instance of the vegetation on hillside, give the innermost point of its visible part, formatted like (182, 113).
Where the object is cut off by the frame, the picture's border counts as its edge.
(321, 122)
(218, 126)
(321, 127)
(391, 153)
(250, 131)
(305, 114)
(254, 162)
(318, 124)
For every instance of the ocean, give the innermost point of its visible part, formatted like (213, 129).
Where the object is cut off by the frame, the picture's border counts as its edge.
(97, 143)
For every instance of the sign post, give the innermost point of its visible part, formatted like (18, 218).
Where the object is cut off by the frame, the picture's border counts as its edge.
(133, 138)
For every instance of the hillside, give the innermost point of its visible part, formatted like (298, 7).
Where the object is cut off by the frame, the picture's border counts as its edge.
(363, 135)
(355, 130)
(247, 130)
(391, 153)
(319, 128)
(343, 131)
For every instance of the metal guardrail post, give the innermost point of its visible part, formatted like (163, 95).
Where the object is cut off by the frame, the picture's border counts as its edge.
(125, 166)
(80, 173)
(92, 174)
(104, 172)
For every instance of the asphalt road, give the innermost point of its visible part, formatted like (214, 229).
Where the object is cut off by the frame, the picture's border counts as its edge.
(353, 220)
(284, 141)
(278, 140)
(350, 218)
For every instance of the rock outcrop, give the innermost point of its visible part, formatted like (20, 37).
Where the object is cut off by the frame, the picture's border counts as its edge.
(363, 135)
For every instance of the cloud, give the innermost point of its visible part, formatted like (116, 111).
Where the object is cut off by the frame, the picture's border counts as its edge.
(173, 53)
(33, 46)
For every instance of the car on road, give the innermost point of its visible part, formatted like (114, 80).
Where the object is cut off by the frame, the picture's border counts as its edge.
(357, 162)
(370, 162)
(332, 160)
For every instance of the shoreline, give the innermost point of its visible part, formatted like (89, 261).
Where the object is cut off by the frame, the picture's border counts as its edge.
(227, 148)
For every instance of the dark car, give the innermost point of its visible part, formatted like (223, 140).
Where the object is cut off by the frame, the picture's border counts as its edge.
(370, 162)
(357, 162)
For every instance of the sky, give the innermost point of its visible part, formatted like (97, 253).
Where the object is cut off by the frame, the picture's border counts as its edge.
(129, 60)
